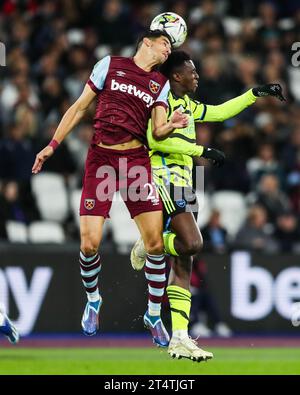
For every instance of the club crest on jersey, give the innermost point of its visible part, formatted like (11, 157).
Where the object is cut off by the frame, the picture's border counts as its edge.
(154, 86)
(181, 203)
(89, 204)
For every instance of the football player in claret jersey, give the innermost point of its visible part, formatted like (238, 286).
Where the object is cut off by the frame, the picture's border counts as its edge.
(172, 163)
(129, 91)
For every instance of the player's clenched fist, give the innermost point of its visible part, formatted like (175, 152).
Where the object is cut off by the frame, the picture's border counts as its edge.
(179, 120)
(41, 157)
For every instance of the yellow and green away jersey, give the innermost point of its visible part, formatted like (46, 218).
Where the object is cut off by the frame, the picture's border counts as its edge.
(171, 159)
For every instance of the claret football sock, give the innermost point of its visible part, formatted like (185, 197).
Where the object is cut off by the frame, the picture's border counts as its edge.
(155, 272)
(90, 267)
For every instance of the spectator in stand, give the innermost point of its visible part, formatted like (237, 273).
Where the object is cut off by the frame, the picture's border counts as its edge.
(16, 154)
(247, 71)
(255, 234)
(248, 35)
(264, 162)
(113, 16)
(291, 160)
(287, 232)
(269, 33)
(271, 197)
(233, 175)
(62, 162)
(216, 86)
(24, 113)
(237, 143)
(206, 14)
(18, 88)
(17, 204)
(52, 95)
(290, 155)
(180, 7)
(214, 234)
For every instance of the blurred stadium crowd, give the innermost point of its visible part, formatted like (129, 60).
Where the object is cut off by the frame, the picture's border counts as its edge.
(253, 201)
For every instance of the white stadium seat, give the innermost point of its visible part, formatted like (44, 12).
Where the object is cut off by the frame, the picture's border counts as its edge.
(125, 231)
(51, 196)
(46, 232)
(17, 232)
(233, 210)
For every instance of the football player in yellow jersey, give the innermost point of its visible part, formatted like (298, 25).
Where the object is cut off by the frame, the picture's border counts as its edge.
(172, 163)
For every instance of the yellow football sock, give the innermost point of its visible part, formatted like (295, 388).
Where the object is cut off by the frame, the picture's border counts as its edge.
(180, 303)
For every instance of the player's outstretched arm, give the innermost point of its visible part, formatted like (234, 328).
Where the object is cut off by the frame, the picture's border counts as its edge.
(221, 112)
(161, 127)
(70, 119)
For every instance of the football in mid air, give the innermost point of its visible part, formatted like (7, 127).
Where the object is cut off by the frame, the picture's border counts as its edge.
(173, 24)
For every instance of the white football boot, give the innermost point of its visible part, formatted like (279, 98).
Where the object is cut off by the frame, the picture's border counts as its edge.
(138, 255)
(188, 348)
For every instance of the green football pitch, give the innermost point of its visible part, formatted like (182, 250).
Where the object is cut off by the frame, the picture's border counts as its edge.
(148, 361)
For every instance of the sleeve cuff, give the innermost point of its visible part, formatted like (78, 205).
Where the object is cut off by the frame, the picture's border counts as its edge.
(160, 103)
(199, 150)
(93, 86)
(251, 95)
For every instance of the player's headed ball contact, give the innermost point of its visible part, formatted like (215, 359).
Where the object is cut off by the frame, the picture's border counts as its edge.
(173, 24)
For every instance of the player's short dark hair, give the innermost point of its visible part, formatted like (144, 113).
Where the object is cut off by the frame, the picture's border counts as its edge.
(174, 62)
(152, 34)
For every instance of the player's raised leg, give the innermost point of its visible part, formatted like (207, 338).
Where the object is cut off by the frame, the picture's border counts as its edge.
(150, 227)
(90, 266)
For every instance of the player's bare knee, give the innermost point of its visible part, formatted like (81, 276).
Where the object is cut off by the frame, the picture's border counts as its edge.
(88, 248)
(154, 246)
(193, 246)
